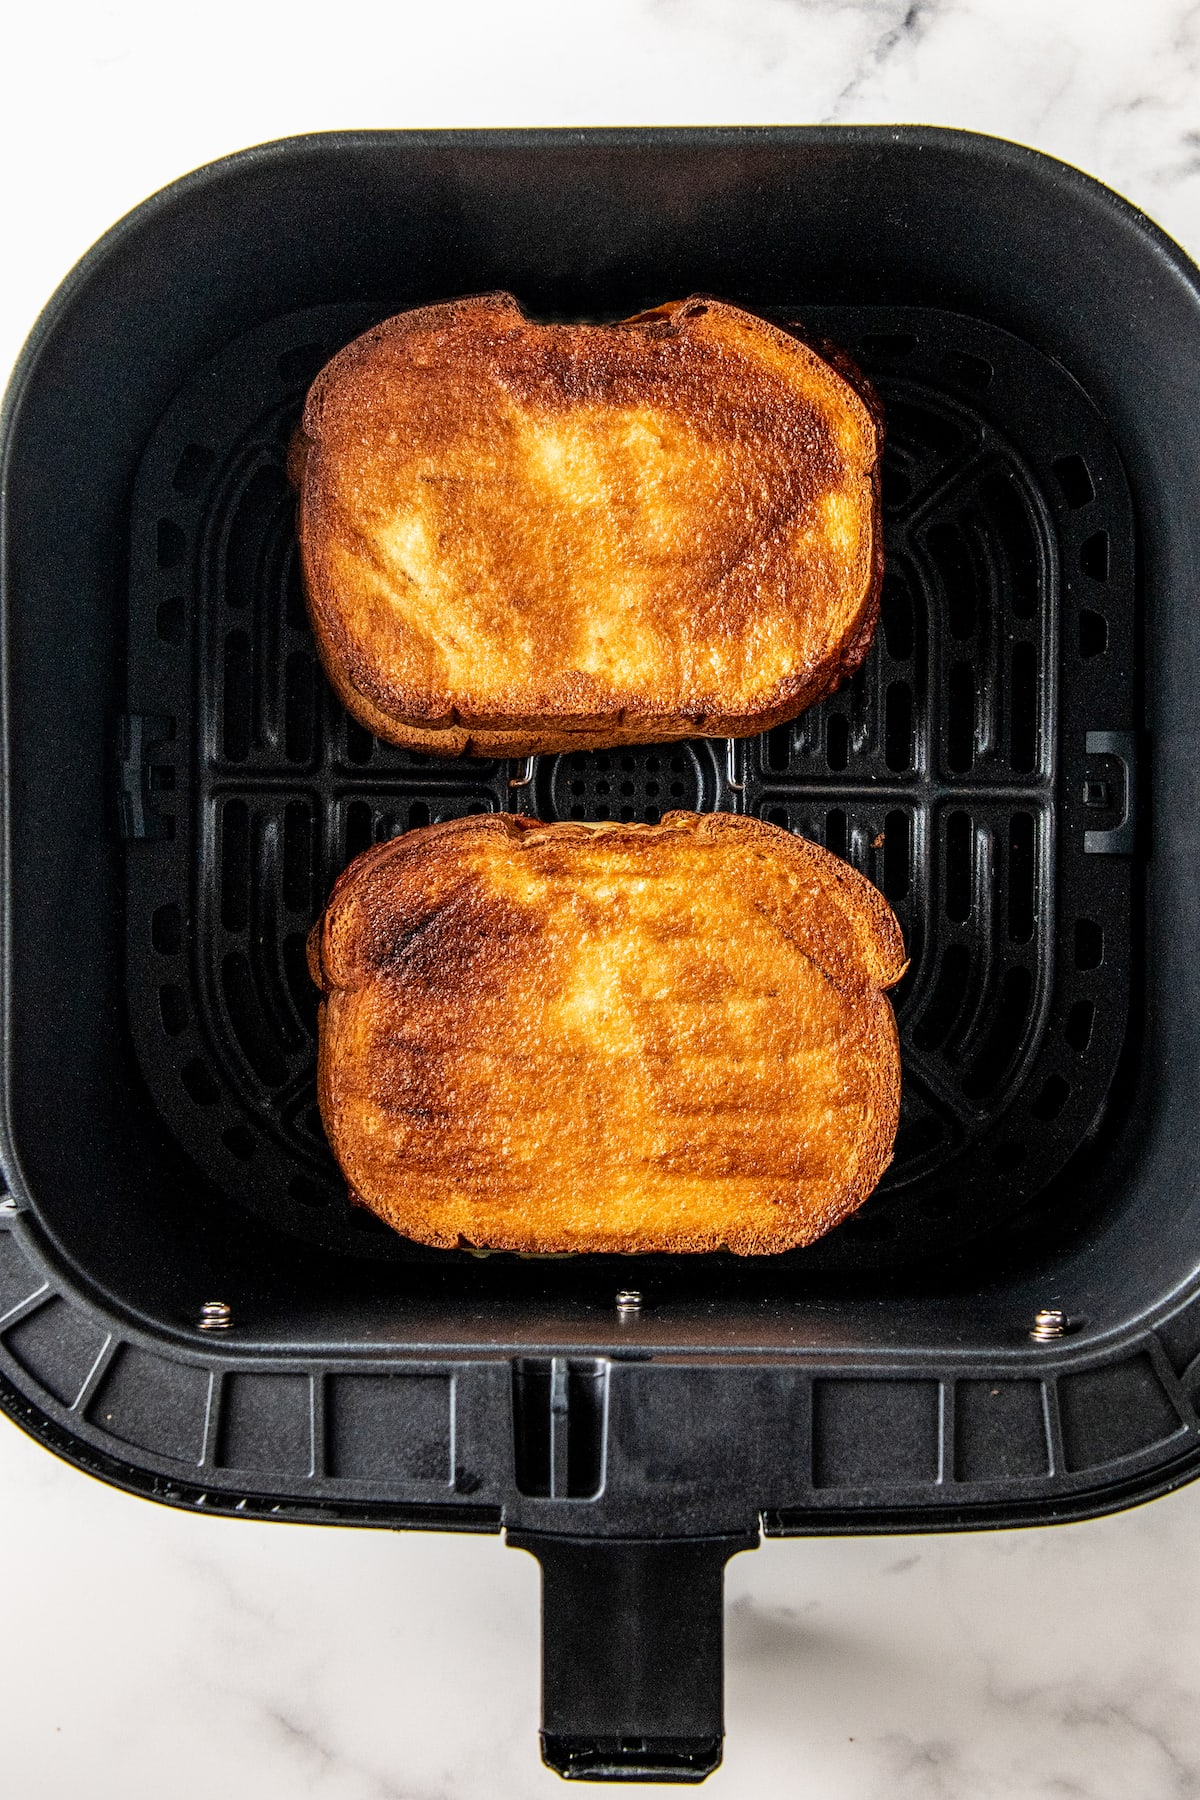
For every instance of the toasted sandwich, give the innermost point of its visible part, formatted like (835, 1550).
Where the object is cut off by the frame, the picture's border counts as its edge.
(570, 1037)
(519, 537)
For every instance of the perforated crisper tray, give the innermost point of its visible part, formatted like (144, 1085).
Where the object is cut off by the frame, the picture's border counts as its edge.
(1016, 765)
(1006, 639)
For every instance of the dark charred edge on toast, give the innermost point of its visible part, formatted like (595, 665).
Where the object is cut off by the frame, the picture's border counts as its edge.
(452, 737)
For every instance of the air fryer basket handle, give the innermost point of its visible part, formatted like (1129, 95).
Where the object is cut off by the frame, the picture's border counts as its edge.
(632, 1635)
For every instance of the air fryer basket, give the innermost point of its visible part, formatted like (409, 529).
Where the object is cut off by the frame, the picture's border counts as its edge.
(1013, 765)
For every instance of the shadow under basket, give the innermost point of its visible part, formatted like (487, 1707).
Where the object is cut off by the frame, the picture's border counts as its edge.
(1009, 1330)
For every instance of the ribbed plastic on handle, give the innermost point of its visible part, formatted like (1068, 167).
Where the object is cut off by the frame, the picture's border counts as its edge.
(632, 1655)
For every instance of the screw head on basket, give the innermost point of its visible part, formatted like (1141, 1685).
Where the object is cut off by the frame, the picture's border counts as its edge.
(629, 1300)
(215, 1315)
(1049, 1325)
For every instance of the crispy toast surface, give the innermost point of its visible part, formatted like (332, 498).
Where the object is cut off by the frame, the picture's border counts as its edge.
(519, 537)
(561, 1037)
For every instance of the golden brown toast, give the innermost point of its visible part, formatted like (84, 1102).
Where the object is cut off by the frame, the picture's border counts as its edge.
(520, 537)
(608, 1037)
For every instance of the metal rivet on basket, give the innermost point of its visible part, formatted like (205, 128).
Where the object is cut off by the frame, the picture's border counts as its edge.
(215, 1315)
(1049, 1324)
(629, 1300)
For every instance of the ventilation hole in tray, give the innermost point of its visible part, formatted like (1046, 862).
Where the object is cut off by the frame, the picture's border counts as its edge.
(235, 865)
(1004, 1037)
(1023, 721)
(960, 718)
(837, 742)
(1089, 944)
(168, 621)
(959, 849)
(293, 588)
(170, 544)
(959, 577)
(1009, 1156)
(359, 834)
(836, 832)
(310, 1193)
(896, 615)
(1093, 633)
(898, 726)
(779, 748)
(1093, 556)
(297, 883)
(199, 1084)
(1074, 481)
(166, 930)
(247, 1019)
(237, 698)
(297, 367)
(1013, 534)
(1021, 871)
(265, 496)
(360, 744)
(300, 983)
(173, 1009)
(1053, 1097)
(973, 371)
(240, 1141)
(418, 815)
(192, 468)
(945, 1003)
(897, 851)
(1078, 1028)
(777, 815)
(299, 707)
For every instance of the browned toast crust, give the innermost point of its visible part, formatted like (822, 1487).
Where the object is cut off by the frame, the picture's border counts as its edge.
(519, 537)
(550, 1038)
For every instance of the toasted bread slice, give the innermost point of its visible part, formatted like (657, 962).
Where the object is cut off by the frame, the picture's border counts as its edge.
(608, 1037)
(520, 537)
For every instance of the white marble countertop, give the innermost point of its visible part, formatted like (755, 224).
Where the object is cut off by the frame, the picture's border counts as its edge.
(151, 1652)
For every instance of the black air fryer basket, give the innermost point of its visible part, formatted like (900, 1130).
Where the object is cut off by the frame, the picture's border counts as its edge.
(188, 1306)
